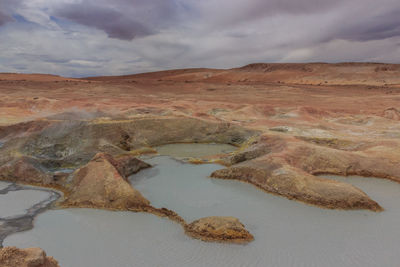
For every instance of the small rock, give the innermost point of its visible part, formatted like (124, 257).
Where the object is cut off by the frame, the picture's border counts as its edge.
(29, 257)
(219, 229)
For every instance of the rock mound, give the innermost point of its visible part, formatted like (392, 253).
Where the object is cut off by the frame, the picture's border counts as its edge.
(279, 178)
(99, 184)
(25, 170)
(30, 257)
(128, 164)
(219, 229)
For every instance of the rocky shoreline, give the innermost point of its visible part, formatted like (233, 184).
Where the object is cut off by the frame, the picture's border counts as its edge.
(275, 163)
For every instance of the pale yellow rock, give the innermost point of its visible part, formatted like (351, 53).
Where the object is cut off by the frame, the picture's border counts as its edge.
(99, 184)
(29, 257)
(219, 229)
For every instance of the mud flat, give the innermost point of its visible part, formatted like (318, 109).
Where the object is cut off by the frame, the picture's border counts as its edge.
(287, 233)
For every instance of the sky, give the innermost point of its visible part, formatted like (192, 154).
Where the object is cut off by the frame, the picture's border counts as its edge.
(78, 38)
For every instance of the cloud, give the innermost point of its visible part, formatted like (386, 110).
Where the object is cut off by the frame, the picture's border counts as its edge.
(383, 25)
(224, 12)
(102, 37)
(6, 9)
(121, 19)
(4, 18)
(114, 23)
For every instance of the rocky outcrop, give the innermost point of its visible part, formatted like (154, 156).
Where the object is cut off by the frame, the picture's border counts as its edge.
(30, 170)
(74, 143)
(257, 148)
(128, 164)
(29, 257)
(322, 160)
(25, 170)
(288, 166)
(219, 229)
(278, 178)
(99, 184)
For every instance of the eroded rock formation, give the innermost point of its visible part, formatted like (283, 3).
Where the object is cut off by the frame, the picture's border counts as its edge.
(287, 167)
(279, 178)
(25, 170)
(101, 184)
(219, 229)
(29, 257)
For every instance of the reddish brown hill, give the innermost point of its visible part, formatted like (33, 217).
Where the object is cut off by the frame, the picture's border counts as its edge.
(292, 73)
(33, 77)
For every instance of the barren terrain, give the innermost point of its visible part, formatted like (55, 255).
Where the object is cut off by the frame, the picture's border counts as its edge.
(290, 122)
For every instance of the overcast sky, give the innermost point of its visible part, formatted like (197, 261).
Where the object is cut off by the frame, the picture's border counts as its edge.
(111, 37)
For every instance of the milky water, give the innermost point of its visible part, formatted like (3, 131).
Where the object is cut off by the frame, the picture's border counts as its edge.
(19, 205)
(4, 185)
(287, 233)
(18, 202)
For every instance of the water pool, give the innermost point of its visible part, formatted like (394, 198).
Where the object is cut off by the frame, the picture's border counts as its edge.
(287, 233)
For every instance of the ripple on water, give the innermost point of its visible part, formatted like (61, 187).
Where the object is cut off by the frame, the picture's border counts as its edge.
(287, 233)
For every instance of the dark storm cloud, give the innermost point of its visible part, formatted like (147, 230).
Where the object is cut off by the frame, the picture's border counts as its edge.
(6, 9)
(382, 26)
(4, 18)
(121, 19)
(113, 22)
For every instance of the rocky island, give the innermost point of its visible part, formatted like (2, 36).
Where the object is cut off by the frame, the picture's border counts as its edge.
(221, 229)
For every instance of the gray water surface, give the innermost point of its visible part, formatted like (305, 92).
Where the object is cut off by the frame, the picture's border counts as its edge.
(18, 202)
(19, 205)
(4, 185)
(287, 233)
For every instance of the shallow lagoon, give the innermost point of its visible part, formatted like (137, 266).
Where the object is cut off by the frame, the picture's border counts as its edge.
(287, 233)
